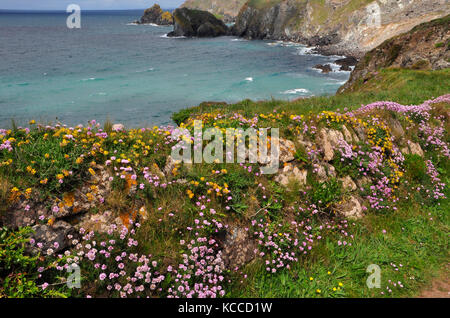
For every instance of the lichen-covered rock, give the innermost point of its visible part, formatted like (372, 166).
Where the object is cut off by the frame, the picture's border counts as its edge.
(325, 171)
(24, 213)
(350, 208)
(348, 183)
(85, 198)
(287, 150)
(415, 148)
(99, 223)
(238, 248)
(291, 173)
(50, 239)
(329, 140)
(156, 15)
(191, 23)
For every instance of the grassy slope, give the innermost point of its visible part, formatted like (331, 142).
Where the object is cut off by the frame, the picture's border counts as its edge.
(415, 242)
(416, 238)
(402, 86)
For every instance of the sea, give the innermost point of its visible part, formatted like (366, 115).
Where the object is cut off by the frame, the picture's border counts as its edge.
(112, 69)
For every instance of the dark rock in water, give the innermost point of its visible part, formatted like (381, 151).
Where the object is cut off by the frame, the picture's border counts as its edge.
(157, 16)
(325, 68)
(346, 63)
(199, 23)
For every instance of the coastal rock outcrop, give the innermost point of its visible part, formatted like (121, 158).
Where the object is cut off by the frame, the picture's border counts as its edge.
(424, 47)
(156, 15)
(199, 23)
(337, 26)
(324, 68)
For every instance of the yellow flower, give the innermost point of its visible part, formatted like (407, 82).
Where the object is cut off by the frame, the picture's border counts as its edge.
(340, 284)
(14, 189)
(318, 291)
(47, 156)
(32, 122)
(91, 171)
(44, 181)
(59, 176)
(311, 278)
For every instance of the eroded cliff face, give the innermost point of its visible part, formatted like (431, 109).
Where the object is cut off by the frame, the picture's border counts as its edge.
(338, 26)
(425, 47)
(227, 10)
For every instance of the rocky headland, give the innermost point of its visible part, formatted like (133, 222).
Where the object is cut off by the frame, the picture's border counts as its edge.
(198, 23)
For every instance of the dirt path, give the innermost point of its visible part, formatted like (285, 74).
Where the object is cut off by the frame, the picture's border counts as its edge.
(440, 287)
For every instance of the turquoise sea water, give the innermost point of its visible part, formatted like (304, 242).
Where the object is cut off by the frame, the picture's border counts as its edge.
(135, 75)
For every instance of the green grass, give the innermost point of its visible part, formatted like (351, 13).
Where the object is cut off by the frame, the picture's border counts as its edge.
(412, 239)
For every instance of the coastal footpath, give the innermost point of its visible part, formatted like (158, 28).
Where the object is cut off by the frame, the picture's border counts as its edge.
(362, 180)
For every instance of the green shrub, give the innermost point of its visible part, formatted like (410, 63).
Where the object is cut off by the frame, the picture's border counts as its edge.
(415, 168)
(181, 116)
(323, 194)
(19, 277)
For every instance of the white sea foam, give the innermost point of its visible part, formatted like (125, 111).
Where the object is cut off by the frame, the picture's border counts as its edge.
(296, 91)
(307, 50)
(249, 79)
(150, 24)
(151, 69)
(337, 68)
(171, 37)
(284, 44)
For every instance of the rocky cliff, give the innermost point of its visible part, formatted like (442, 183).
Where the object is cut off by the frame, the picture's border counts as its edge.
(338, 26)
(227, 10)
(426, 46)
